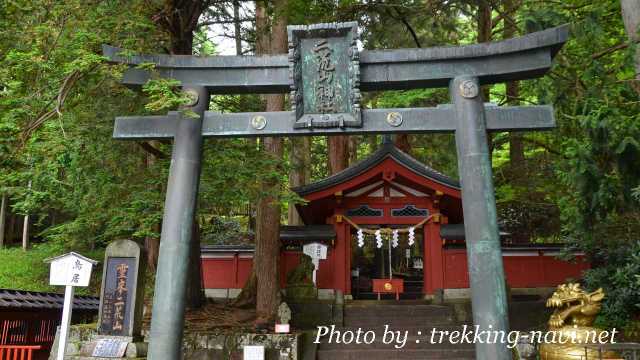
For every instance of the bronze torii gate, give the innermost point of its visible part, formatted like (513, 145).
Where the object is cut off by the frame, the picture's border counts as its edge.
(324, 72)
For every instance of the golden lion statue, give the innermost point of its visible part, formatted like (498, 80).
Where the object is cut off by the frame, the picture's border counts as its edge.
(572, 320)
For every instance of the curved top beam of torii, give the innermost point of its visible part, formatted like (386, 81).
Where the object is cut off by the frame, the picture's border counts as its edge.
(519, 58)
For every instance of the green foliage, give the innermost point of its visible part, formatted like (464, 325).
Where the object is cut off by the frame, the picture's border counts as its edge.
(620, 280)
(579, 184)
(27, 270)
(220, 230)
(164, 94)
(597, 162)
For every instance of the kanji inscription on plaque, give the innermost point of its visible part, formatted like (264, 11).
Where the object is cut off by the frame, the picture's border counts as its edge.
(325, 75)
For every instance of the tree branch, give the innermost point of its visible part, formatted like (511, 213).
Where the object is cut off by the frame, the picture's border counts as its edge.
(610, 50)
(403, 19)
(152, 150)
(231, 21)
(67, 85)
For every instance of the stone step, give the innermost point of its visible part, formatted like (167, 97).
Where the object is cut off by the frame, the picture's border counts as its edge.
(398, 315)
(398, 309)
(406, 295)
(403, 354)
(388, 302)
(397, 323)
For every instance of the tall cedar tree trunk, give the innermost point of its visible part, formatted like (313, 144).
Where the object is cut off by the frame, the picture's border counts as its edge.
(631, 18)
(179, 19)
(485, 28)
(403, 142)
(354, 142)
(300, 157)
(267, 256)
(263, 285)
(516, 147)
(237, 26)
(248, 296)
(3, 213)
(152, 243)
(338, 148)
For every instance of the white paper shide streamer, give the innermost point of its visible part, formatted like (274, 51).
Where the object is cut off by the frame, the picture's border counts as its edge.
(396, 239)
(360, 238)
(378, 239)
(412, 236)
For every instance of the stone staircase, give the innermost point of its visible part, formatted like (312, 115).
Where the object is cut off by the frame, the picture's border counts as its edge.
(410, 321)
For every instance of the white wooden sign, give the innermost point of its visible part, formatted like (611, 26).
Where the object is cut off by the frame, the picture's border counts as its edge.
(253, 352)
(316, 251)
(68, 270)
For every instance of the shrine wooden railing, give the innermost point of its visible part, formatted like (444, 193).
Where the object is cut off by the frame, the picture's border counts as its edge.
(17, 352)
(27, 331)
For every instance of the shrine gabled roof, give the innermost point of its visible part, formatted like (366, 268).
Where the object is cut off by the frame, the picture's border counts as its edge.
(387, 150)
(32, 300)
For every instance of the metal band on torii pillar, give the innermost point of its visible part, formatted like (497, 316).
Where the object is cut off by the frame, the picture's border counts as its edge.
(169, 300)
(484, 253)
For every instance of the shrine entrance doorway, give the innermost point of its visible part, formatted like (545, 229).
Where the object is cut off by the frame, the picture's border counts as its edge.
(403, 262)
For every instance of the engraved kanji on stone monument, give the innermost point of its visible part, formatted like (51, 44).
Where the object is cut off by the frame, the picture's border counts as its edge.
(325, 75)
(122, 290)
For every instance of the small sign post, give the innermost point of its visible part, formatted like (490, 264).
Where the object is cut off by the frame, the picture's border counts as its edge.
(253, 352)
(316, 251)
(69, 270)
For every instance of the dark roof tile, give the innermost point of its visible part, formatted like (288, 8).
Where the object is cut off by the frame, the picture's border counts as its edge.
(18, 299)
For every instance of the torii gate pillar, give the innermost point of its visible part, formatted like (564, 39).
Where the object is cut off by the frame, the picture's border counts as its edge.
(169, 299)
(484, 253)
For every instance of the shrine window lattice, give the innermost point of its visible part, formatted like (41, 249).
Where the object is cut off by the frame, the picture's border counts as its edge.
(364, 210)
(409, 210)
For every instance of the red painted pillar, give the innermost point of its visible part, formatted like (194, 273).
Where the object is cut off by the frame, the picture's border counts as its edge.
(433, 270)
(340, 258)
(427, 281)
(347, 263)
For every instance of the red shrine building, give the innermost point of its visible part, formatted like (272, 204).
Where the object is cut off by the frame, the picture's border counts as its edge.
(389, 189)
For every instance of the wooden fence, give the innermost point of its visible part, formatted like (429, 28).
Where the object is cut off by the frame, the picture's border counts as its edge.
(17, 352)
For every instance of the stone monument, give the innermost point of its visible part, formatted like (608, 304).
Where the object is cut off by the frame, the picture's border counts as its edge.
(122, 292)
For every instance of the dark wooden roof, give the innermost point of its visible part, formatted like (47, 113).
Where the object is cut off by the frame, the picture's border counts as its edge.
(518, 247)
(206, 249)
(308, 233)
(32, 300)
(288, 234)
(456, 232)
(387, 150)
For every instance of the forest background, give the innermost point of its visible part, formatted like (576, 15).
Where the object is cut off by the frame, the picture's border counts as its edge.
(79, 189)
